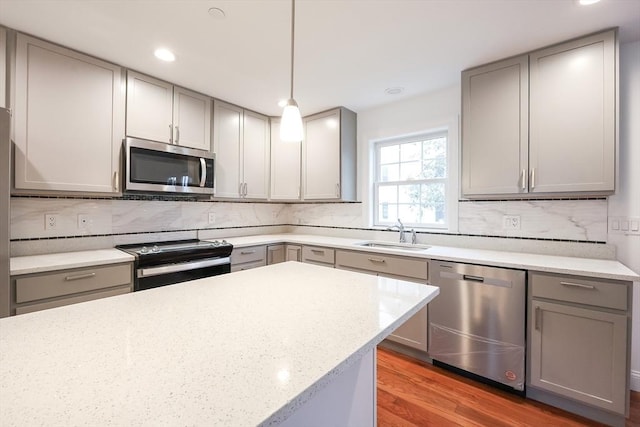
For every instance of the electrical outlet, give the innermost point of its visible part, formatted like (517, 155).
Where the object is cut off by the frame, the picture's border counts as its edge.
(50, 221)
(83, 221)
(511, 222)
(212, 218)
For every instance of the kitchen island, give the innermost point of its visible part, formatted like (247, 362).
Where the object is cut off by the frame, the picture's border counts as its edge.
(287, 344)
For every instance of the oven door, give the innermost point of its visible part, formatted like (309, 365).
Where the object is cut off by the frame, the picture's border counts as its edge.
(169, 274)
(155, 166)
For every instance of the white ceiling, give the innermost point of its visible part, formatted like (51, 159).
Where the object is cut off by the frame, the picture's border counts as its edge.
(347, 51)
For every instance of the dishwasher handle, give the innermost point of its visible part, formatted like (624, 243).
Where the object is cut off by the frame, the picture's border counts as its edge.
(471, 278)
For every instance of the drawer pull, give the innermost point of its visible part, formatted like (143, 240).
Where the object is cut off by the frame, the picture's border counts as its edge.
(79, 276)
(537, 318)
(378, 260)
(577, 285)
(317, 251)
(247, 252)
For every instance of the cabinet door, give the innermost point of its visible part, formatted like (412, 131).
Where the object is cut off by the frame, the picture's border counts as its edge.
(580, 354)
(191, 119)
(276, 254)
(495, 128)
(3, 67)
(321, 153)
(149, 108)
(285, 166)
(572, 140)
(255, 155)
(69, 119)
(227, 135)
(294, 253)
(413, 332)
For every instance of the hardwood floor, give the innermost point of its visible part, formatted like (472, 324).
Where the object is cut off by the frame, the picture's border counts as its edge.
(414, 393)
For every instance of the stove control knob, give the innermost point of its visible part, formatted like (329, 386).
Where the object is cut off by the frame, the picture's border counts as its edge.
(224, 242)
(216, 243)
(144, 250)
(155, 248)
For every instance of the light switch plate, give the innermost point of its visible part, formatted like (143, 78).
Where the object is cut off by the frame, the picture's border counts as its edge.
(627, 225)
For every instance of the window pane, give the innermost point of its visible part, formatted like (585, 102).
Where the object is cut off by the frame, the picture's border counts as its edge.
(410, 170)
(409, 194)
(387, 212)
(389, 172)
(410, 151)
(435, 168)
(388, 194)
(389, 154)
(434, 203)
(409, 214)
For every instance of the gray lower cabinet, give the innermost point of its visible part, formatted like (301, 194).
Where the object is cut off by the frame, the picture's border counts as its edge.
(294, 253)
(579, 335)
(413, 333)
(248, 257)
(34, 292)
(276, 254)
(318, 255)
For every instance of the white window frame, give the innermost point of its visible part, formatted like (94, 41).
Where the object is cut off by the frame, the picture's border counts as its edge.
(451, 199)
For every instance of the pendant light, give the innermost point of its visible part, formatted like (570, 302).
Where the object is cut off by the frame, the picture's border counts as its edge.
(291, 123)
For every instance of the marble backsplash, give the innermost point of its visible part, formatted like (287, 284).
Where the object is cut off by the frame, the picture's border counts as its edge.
(547, 226)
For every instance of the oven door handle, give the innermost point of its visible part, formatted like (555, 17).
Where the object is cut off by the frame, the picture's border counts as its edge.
(183, 266)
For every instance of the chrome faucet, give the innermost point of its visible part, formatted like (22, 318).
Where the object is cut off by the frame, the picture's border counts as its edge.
(400, 227)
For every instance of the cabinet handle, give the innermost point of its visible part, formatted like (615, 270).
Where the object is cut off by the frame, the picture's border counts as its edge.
(378, 260)
(577, 285)
(177, 134)
(338, 190)
(245, 190)
(247, 252)
(524, 179)
(533, 178)
(79, 276)
(537, 318)
(317, 251)
(115, 180)
(240, 188)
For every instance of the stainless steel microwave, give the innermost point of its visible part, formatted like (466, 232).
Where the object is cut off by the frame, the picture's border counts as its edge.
(158, 167)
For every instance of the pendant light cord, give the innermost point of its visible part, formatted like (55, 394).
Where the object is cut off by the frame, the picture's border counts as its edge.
(293, 23)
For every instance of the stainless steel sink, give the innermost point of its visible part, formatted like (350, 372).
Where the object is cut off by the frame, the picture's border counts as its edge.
(397, 246)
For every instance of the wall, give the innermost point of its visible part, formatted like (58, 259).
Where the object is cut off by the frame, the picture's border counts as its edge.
(626, 201)
(120, 221)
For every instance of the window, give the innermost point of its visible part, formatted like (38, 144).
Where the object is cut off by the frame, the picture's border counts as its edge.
(411, 181)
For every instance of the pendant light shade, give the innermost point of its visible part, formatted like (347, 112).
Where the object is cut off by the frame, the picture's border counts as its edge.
(291, 124)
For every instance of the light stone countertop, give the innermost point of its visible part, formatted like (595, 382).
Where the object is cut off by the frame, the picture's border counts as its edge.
(240, 349)
(597, 268)
(64, 260)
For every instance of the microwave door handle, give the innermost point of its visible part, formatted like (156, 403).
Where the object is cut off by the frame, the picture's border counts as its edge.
(203, 172)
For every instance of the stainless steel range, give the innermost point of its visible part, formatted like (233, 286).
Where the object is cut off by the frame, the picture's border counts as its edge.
(165, 263)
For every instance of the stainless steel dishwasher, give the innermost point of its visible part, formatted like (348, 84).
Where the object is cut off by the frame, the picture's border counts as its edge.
(477, 323)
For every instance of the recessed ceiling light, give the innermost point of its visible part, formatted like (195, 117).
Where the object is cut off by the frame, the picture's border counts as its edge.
(394, 90)
(217, 13)
(164, 55)
(587, 2)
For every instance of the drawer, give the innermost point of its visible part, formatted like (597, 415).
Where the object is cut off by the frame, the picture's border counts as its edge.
(31, 288)
(72, 300)
(581, 290)
(387, 264)
(247, 265)
(314, 254)
(249, 254)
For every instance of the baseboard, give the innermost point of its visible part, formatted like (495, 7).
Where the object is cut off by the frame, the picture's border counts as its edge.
(635, 380)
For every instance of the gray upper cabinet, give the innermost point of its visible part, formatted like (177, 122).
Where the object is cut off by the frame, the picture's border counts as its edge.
(329, 156)
(160, 111)
(573, 125)
(495, 109)
(69, 119)
(542, 123)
